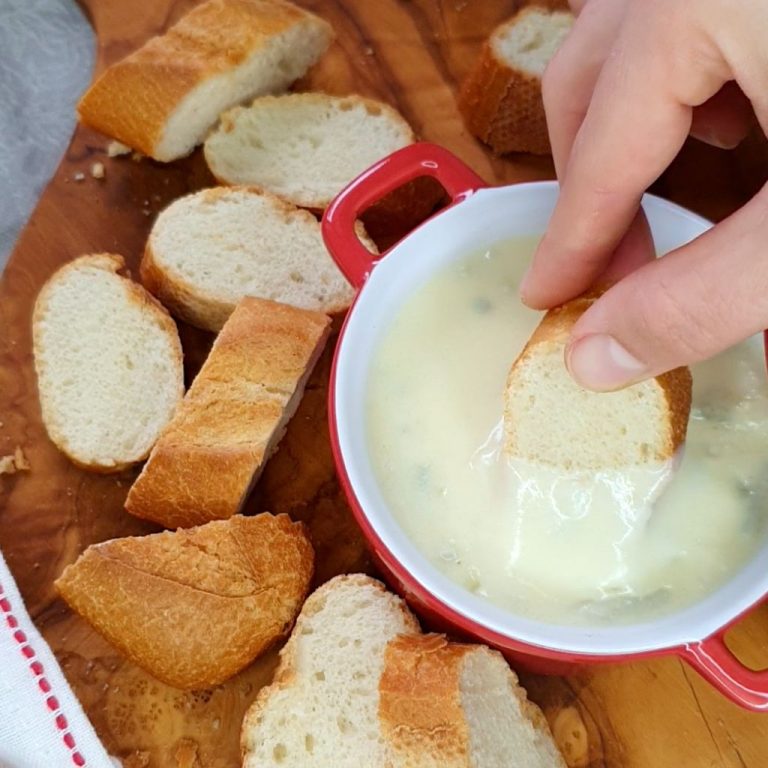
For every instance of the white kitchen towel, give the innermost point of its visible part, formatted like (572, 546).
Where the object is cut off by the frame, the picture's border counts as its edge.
(42, 724)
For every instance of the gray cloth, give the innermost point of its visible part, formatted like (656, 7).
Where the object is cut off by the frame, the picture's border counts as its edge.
(46, 59)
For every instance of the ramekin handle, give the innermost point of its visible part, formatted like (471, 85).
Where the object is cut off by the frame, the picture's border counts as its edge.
(407, 164)
(712, 659)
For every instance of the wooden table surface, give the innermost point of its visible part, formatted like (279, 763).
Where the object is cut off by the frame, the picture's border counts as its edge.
(413, 54)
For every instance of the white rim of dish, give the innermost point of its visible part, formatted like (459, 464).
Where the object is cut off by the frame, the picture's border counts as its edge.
(363, 330)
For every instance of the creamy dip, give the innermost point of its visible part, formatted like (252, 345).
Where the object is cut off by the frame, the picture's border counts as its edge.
(618, 546)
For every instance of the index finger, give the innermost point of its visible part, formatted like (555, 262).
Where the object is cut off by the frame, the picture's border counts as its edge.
(638, 119)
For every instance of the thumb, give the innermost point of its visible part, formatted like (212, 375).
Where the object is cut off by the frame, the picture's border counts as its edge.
(679, 309)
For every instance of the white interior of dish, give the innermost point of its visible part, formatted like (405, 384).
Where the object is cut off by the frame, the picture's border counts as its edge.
(485, 218)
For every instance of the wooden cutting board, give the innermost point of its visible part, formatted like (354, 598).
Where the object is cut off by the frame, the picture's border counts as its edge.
(413, 54)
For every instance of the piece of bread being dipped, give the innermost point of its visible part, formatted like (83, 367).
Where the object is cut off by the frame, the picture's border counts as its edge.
(551, 421)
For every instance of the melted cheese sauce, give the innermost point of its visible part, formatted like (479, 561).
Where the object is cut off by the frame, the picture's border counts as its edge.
(617, 546)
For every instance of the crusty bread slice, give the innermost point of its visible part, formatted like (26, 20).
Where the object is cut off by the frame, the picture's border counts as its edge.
(165, 97)
(209, 249)
(108, 361)
(500, 99)
(322, 708)
(446, 705)
(233, 416)
(552, 421)
(195, 606)
(304, 147)
(359, 687)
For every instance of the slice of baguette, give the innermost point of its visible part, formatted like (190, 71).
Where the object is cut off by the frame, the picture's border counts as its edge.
(322, 708)
(209, 249)
(233, 416)
(108, 361)
(500, 99)
(195, 606)
(359, 687)
(446, 705)
(552, 421)
(304, 147)
(165, 97)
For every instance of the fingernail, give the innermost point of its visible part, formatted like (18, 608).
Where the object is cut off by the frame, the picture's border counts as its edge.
(721, 142)
(601, 363)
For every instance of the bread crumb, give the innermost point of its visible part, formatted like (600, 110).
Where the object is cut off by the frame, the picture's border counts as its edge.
(17, 462)
(137, 157)
(369, 51)
(97, 170)
(20, 460)
(79, 176)
(186, 753)
(116, 148)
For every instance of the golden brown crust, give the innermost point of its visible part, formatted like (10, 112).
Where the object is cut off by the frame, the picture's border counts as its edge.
(420, 708)
(195, 606)
(502, 106)
(133, 99)
(676, 385)
(207, 458)
(114, 263)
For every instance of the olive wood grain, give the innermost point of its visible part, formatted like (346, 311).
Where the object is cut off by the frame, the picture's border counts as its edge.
(655, 714)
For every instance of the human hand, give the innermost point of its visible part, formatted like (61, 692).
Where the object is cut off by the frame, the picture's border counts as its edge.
(630, 82)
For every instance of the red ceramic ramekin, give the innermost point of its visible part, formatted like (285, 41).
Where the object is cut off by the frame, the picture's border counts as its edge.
(478, 217)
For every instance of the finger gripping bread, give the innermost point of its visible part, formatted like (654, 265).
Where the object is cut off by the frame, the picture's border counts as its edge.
(500, 100)
(209, 249)
(549, 419)
(304, 147)
(195, 606)
(232, 417)
(108, 361)
(164, 97)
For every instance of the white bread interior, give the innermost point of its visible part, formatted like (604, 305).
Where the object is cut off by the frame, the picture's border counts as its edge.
(208, 250)
(322, 708)
(304, 147)
(108, 361)
(530, 40)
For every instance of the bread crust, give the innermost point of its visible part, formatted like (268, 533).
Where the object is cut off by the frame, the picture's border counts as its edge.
(195, 606)
(420, 708)
(135, 293)
(207, 459)
(133, 99)
(420, 705)
(675, 385)
(286, 674)
(200, 307)
(502, 106)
